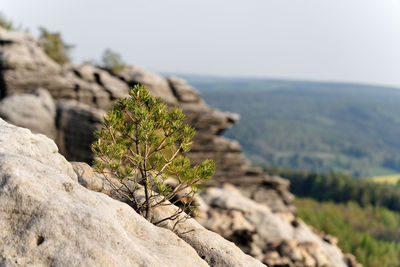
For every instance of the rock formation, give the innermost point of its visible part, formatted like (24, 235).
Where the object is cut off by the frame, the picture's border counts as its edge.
(277, 239)
(82, 93)
(210, 246)
(38, 112)
(48, 219)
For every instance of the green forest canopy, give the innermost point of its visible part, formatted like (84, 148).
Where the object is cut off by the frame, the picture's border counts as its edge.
(312, 126)
(372, 234)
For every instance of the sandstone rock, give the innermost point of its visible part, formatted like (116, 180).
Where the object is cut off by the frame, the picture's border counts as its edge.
(90, 179)
(76, 123)
(351, 261)
(272, 191)
(279, 262)
(320, 259)
(20, 141)
(204, 118)
(209, 245)
(23, 51)
(114, 86)
(25, 67)
(35, 111)
(48, 219)
(268, 231)
(216, 144)
(265, 189)
(22, 72)
(155, 83)
(182, 90)
(330, 239)
(288, 248)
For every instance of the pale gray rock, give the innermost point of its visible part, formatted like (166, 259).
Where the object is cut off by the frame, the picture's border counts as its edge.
(36, 111)
(90, 179)
(155, 83)
(24, 67)
(76, 123)
(259, 231)
(48, 219)
(272, 191)
(182, 90)
(204, 118)
(21, 141)
(352, 261)
(210, 246)
(114, 86)
(22, 50)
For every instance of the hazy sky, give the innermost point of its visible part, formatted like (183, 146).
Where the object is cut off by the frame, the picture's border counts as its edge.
(340, 40)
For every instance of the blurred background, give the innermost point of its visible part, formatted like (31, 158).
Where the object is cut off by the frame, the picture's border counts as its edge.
(316, 84)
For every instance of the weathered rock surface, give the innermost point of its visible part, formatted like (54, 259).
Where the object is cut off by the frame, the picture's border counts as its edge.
(277, 239)
(76, 123)
(24, 67)
(182, 90)
(48, 219)
(155, 83)
(115, 88)
(22, 142)
(83, 93)
(210, 246)
(35, 111)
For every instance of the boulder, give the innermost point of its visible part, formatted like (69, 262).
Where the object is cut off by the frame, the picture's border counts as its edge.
(35, 111)
(22, 142)
(155, 83)
(24, 67)
(264, 234)
(76, 123)
(84, 92)
(182, 90)
(114, 86)
(21, 50)
(48, 219)
(210, 246)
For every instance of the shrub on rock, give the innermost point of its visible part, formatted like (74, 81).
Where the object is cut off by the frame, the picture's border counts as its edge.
(112, 61)
(55, 47)
(142, 144)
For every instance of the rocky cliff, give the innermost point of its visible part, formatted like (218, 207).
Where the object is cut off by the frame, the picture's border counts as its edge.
(49, 219)
(67, 103)
(82, 93)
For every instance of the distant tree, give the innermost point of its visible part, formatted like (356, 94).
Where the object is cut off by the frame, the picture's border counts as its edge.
(55, 47)
(142, 144)
(5, 23)
(112, 61)
(392, 162)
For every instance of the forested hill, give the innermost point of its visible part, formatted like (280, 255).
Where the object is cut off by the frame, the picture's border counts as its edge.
(311, 125)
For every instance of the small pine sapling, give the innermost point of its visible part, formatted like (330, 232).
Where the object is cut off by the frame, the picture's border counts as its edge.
(142, 144)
